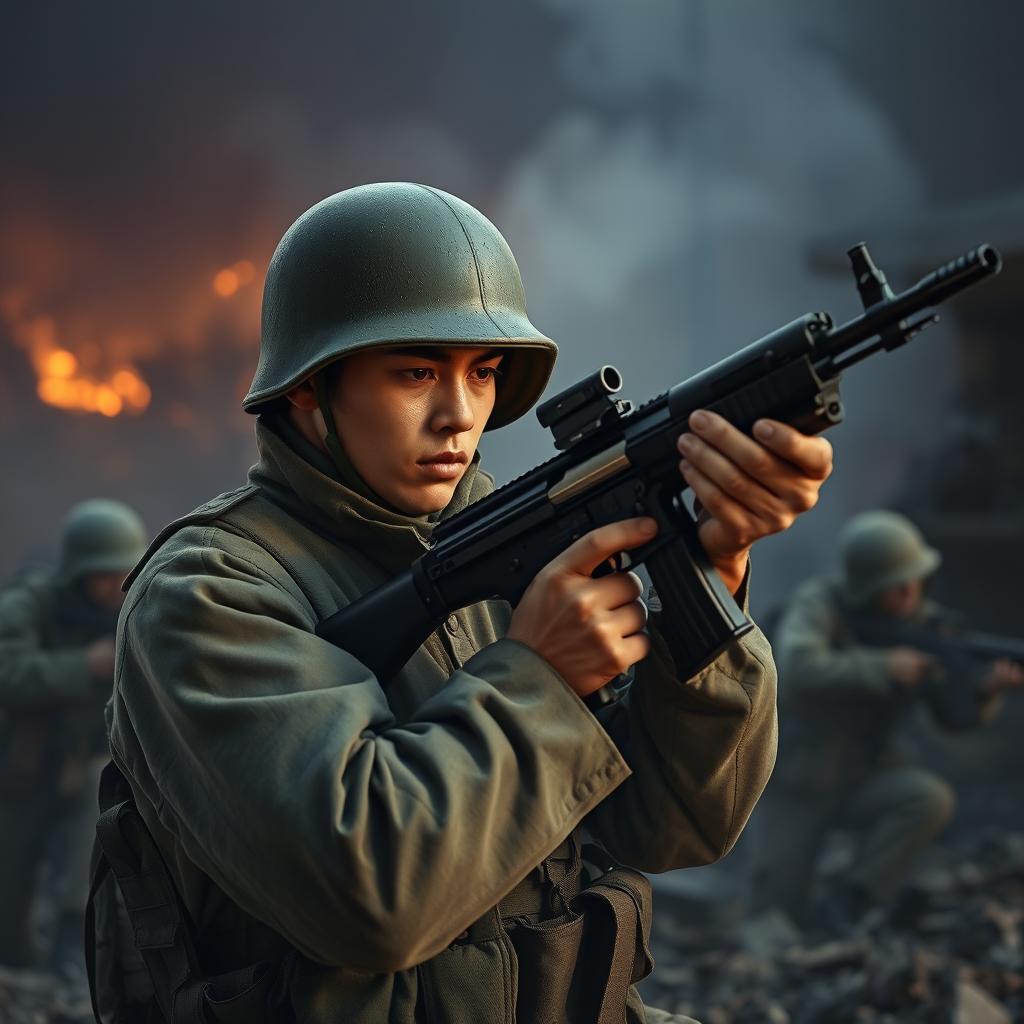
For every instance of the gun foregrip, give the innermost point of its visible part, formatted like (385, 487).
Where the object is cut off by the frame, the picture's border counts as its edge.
(384, 628)
(700, 618)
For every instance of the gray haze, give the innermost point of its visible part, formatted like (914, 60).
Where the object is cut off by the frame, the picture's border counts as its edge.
(663, 171)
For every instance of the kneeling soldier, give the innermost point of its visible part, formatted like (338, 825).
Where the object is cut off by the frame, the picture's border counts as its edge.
(845, 697)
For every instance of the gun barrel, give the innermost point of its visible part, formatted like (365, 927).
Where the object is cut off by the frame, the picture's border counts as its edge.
(989, 645)
(887, 315)
(960, 273)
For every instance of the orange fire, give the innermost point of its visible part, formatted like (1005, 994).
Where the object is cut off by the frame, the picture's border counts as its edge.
(64, 383)
(88, 356)
(228, 281)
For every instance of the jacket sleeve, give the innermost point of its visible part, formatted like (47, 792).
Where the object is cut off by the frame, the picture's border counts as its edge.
(31, 677)
(274, 759)
(814, 666)
(701, 751)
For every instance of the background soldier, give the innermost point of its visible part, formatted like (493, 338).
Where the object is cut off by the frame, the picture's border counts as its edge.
(56, 669)
(842, 703)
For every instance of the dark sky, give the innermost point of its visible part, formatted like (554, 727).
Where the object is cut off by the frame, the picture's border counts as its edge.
(660, 168)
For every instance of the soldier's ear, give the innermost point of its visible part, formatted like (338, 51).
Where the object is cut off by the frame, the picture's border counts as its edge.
(302, 396)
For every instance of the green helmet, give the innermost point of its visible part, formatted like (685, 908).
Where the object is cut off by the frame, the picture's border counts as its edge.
(101, 536)
(883, 549)
(396, 264)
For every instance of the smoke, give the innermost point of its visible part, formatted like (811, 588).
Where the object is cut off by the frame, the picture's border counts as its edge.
(664, 219)
(660, 169)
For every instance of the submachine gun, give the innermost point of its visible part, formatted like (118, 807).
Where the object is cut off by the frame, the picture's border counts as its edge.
(616, 462)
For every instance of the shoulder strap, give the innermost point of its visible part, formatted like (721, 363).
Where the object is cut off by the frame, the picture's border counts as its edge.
(230, 507)
(286, 550)
(203, 514)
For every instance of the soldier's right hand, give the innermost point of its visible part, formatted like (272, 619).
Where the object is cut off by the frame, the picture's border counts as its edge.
(908, 666)
(590, 630)
(99, 656)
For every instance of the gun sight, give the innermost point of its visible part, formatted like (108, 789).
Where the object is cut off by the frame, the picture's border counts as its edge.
(584, 408)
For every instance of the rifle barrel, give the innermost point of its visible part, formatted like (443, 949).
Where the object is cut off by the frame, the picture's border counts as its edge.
(933, 288)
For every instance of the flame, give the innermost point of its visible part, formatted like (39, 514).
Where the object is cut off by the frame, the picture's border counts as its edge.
(91, 323)
(64, 383)
(228, 280)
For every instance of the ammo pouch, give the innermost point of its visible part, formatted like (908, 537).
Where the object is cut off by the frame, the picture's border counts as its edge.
(578, 967)
(163, 931)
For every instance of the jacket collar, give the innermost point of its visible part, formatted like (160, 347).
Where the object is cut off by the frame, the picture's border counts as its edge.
(305, 482)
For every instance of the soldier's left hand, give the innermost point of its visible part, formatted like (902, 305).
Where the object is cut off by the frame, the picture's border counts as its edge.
(749, 487)
(1004, 674)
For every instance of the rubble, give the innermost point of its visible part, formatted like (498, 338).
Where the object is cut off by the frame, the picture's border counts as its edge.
(951, 952)
(35, 997)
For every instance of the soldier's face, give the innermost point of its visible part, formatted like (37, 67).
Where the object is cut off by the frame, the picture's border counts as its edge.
(410, 419)
(104, 589)
(903, 601)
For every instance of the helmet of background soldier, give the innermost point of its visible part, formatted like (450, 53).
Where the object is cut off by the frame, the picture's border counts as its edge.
(396, 264)
(101, 536)
(880, 550)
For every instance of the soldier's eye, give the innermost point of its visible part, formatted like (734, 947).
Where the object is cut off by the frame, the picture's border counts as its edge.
(420, 373)
(485, 373)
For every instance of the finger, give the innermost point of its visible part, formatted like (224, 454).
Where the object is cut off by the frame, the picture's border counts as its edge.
(596, 547)
(628, 619)
(619, 589)
(614, 590)
(732, 479)
(797, 485)
(633, 649)
(731, 526)
(812, 454)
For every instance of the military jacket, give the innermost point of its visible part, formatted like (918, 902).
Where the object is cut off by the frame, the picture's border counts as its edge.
(51, 708)
(841, 712)
(302, 806)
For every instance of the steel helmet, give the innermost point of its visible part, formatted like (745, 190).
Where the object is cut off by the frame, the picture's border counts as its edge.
(101, 536)
(883, 549)
(396, 264)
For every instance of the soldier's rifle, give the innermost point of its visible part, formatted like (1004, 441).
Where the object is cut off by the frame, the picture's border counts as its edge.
(616, 462)
(962, 657)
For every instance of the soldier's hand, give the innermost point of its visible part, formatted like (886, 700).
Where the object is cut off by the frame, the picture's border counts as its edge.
(749, 487)
(908, 666)
(1003, 674)
(99, 656)
(590, 630)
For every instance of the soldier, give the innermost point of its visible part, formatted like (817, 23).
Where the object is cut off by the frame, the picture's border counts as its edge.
(411, 853)
(56, 670)
(842, 702)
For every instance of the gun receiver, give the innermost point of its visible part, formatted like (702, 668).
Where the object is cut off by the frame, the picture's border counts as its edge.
(615, 462)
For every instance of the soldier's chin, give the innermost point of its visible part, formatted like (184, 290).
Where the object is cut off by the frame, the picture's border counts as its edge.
(422, 501)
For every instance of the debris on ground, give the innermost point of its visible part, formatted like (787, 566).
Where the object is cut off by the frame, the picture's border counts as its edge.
(36, 997)
(950, 952)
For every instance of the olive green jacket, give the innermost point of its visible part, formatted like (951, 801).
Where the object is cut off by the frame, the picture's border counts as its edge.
(51, 708)
(300, 804)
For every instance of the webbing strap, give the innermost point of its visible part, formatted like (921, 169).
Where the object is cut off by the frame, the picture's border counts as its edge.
(629, 957)
(162, 932)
